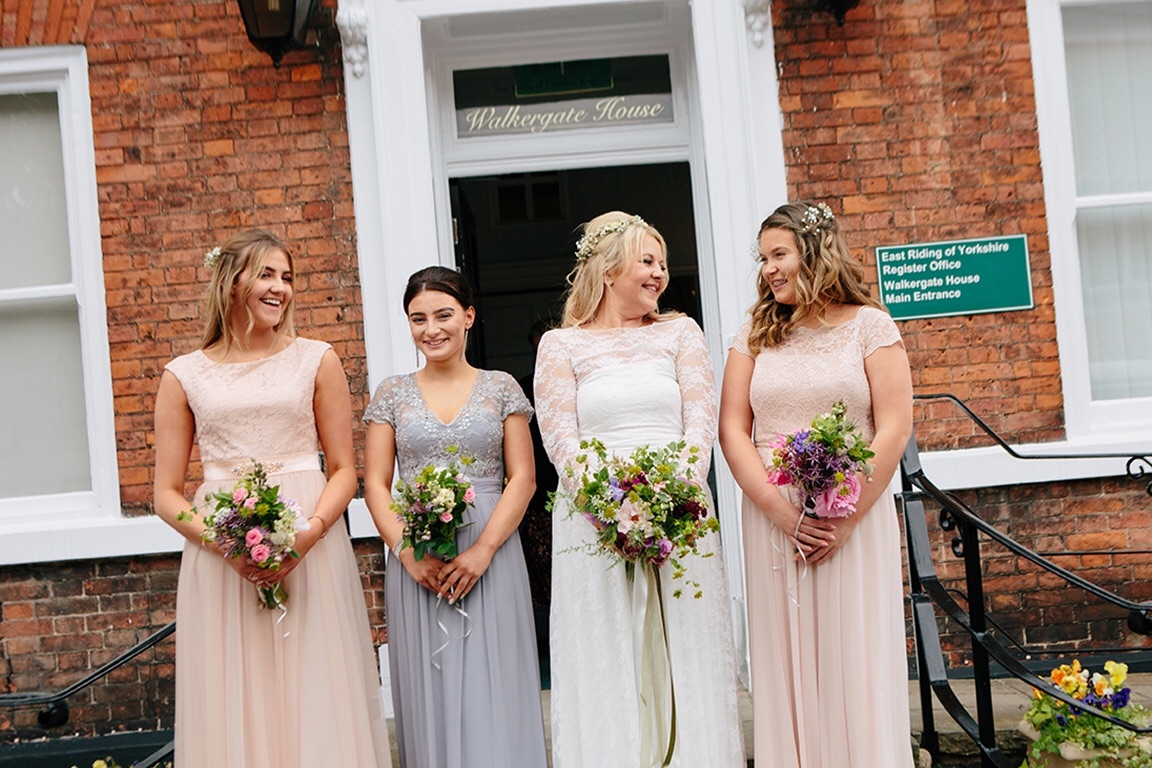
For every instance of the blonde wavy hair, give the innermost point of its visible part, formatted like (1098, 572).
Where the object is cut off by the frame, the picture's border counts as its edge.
(605, 258)
(250, 251)
(828, 275)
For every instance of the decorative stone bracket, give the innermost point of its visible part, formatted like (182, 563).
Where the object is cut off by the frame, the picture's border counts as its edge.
(353, 25)
(758, 19)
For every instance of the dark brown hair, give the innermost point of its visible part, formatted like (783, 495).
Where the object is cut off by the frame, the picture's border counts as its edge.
(440, 279)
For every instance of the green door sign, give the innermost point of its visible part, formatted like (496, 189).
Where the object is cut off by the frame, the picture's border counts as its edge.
(955, 277)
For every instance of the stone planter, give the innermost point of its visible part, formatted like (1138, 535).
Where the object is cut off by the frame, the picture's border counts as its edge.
(1071, 755)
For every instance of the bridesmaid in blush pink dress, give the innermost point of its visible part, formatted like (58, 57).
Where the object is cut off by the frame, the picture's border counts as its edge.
(826, 630)
(256, 688)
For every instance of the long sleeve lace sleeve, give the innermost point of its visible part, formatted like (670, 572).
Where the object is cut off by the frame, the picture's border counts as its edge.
(555, 389)
(697, 393)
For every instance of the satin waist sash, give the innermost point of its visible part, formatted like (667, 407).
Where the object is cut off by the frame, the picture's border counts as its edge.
(234, 469)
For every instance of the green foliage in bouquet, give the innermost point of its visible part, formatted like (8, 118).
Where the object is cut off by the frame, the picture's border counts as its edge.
(432, 508)
(646, 507)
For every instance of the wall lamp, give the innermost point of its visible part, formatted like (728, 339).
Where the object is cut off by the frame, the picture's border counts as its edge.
(758, 15)
(276, 26)
(838, 8)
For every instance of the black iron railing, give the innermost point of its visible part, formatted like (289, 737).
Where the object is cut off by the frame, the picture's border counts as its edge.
(928, 595)
(54, 706)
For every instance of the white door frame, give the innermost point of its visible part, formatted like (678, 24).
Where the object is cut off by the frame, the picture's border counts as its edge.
(399, 175)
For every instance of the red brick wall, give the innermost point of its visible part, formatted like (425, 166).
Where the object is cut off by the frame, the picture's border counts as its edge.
(917, 121)
(1058, 520)
(198, 136)
(62, 620)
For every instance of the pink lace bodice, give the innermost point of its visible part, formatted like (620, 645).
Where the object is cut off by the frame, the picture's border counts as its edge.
(253, 410)
(626, 386)
(808, 373)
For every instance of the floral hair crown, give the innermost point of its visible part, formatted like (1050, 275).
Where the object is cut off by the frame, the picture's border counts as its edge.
(814, 218)
(212, 258)
(588, 243)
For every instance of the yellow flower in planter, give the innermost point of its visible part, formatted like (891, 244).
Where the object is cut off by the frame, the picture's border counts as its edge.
(1117, 672)
(1066, 735)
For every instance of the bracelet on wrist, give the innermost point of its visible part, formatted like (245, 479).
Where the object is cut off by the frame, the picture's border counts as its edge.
(323, 524)
(397, 547)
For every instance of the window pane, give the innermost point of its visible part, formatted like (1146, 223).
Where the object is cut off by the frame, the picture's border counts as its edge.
(1116, 274)
(33, 209)
(43, 425)
(1109, 62)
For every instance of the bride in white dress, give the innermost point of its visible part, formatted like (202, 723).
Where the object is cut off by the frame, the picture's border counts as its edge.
(620, 371)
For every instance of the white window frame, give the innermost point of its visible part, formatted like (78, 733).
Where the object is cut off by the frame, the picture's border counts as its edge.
(60, 526)
(1121, 423)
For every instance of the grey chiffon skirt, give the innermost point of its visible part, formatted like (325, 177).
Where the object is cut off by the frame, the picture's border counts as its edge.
(466, 689)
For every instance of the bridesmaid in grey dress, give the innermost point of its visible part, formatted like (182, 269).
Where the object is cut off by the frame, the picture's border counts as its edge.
(462, 649)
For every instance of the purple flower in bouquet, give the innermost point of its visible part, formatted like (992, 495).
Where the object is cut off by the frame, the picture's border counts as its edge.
(821, 463)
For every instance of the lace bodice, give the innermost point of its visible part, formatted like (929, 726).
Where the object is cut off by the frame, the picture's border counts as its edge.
(256, 409)
(626, 386)
(815, 367)
(477, 431)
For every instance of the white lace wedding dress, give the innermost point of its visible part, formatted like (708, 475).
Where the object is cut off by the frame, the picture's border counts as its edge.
(631, 387)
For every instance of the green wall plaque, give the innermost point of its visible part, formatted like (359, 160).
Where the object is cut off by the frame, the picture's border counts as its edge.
(955, 277)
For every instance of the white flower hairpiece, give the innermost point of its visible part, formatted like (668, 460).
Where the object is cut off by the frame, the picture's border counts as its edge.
(815, 217)
(587, 244)
(212, 257)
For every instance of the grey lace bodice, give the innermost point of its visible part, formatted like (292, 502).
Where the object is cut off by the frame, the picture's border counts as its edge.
(477, 431)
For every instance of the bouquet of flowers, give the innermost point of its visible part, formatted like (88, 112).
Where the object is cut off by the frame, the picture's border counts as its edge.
(1063, 732)
(253, 520)
(821, 463)
(647, 508)
(432, 508)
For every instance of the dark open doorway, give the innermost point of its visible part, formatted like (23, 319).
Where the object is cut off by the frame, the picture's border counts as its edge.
(515, 240)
